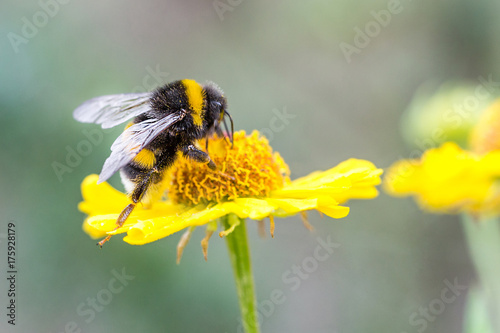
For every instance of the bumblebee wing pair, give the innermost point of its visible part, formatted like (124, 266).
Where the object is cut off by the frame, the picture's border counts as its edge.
(111, 110)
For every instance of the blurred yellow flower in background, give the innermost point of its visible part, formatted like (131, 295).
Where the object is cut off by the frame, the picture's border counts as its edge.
(485, 136)
(449, 179)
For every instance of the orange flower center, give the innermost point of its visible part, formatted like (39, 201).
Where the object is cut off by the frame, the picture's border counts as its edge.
(249, 169)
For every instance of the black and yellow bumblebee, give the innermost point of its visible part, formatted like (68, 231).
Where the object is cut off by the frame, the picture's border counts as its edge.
(165, 122)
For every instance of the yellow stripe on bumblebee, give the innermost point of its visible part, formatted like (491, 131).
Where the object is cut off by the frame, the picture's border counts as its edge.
(196, 98)
(145, 158)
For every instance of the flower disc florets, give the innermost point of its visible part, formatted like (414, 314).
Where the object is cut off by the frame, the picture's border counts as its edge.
(247, 169)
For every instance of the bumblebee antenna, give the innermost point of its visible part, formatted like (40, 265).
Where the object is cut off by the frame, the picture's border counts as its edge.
(227, 131)
(232, 127)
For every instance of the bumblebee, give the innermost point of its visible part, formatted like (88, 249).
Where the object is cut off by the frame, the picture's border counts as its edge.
(164, 123)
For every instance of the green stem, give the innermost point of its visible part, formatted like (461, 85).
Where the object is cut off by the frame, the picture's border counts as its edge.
(483, 239)
(237, 245)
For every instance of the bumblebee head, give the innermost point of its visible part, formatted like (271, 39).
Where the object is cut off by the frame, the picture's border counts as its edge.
(216, 102)
(217, 109)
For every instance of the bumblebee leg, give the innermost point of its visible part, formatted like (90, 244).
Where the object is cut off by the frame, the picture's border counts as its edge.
(198, 155)
(119, 222)
(139, 191)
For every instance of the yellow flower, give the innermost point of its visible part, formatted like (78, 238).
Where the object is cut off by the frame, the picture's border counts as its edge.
(251, 181)
(449, 179)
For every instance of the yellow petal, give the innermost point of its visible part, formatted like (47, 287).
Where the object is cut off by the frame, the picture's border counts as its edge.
(293, 206)
(352, 179)
(101, 198)
(146, 231)
(91, 231)
(335, 212)
(253, 208)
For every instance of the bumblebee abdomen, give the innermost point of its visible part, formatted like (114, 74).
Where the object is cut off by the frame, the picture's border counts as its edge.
(146, 158)
(156, 157)
(145, 165)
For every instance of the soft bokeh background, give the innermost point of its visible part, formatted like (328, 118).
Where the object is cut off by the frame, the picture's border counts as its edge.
(267, 56)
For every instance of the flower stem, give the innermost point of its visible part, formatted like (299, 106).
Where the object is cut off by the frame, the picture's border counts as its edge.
(239, 255)
(483, 239)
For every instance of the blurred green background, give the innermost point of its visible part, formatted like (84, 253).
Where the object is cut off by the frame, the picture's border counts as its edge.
(268, 56)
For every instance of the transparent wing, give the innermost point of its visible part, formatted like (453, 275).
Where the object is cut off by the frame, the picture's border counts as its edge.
(111, 110)
(133, 140)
